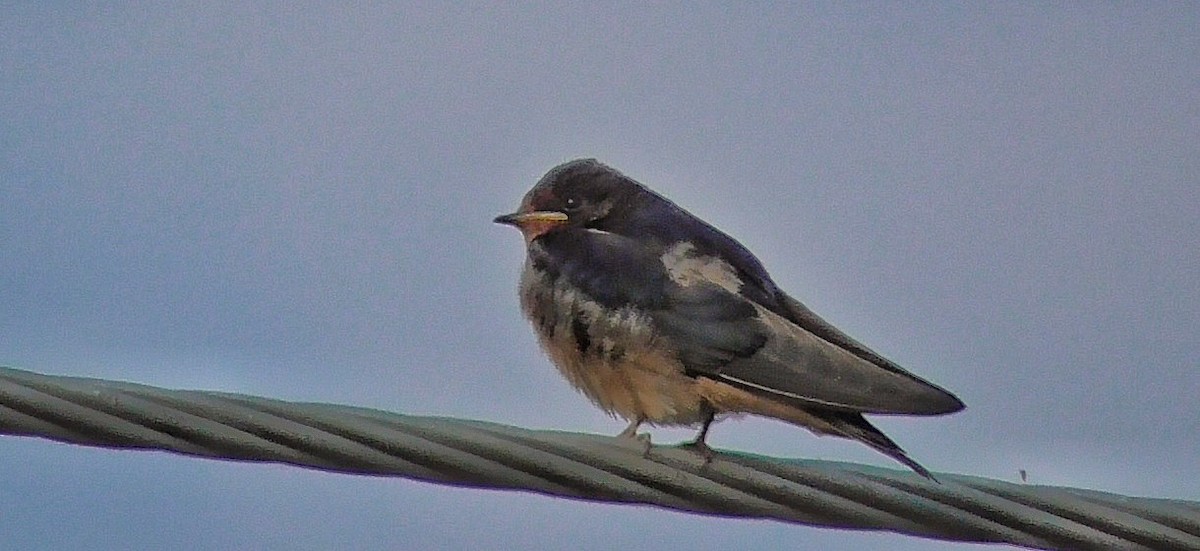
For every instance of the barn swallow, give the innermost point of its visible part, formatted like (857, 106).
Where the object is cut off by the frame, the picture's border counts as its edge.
(660, 318)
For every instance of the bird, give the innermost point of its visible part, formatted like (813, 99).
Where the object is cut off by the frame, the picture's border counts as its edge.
(659, 317)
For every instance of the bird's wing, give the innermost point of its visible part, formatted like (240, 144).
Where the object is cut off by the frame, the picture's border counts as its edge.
(719, 333)
(757, 286)
(799, 314)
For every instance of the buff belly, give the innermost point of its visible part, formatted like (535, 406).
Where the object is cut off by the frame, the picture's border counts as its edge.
(610, 355)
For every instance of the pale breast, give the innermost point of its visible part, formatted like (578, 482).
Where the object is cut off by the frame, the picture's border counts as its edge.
(611, 355)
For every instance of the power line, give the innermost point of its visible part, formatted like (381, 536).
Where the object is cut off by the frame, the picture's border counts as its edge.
(598, 468)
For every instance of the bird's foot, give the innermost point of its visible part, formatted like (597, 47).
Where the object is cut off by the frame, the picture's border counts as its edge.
(643, 439)
(700, 448)
(698, 444)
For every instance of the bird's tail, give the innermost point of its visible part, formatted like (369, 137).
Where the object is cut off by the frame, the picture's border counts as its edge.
(856, 427)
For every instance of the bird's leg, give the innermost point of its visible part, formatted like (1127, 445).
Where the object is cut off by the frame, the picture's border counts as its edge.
(631, 432)
(698, 444)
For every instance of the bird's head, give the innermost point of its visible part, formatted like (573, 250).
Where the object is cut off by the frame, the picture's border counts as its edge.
(583, 193)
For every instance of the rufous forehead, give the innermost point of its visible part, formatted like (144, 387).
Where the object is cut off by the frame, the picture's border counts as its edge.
(537, 197)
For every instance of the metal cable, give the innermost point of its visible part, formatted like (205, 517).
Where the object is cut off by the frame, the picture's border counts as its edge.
(598, 468)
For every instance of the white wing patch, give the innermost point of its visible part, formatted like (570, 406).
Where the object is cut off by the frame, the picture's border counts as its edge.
(687, 266)
(792, 395)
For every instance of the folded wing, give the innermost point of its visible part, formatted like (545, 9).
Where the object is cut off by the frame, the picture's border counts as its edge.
(724, 336)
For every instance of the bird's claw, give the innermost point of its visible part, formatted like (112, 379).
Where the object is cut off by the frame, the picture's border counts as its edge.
(700, 448)
(631, 433)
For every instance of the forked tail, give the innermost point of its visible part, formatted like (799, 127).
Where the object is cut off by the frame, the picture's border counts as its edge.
(856, 427)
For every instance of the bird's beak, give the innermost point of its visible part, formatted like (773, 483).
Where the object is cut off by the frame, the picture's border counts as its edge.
(533, 224)
(526, 219)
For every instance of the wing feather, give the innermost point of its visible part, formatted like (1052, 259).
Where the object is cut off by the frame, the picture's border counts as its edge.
(724, 336)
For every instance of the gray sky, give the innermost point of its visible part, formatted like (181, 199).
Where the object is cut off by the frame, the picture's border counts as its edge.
(296, 202)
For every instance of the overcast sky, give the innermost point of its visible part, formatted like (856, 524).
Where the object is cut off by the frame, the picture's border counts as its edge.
(296, 202)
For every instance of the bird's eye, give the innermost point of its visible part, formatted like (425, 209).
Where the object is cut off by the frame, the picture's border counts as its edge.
(571, 204)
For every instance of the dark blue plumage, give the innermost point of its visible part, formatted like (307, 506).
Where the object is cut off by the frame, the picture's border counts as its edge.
(659, 317)
(611, 269)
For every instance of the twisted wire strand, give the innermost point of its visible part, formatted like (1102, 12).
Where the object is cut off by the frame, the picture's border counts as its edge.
(598, 468)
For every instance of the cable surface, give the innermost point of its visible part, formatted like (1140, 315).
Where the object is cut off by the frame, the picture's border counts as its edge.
(598, 468)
